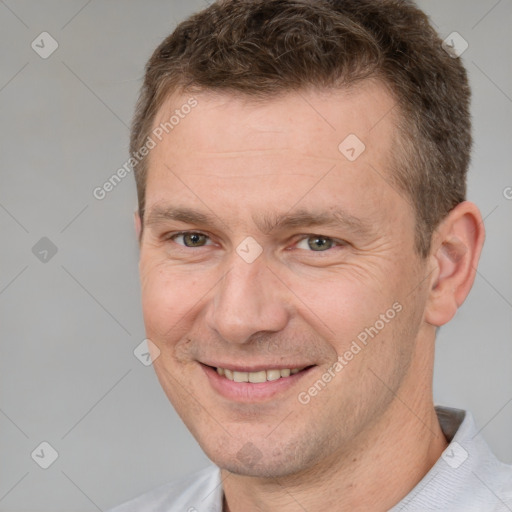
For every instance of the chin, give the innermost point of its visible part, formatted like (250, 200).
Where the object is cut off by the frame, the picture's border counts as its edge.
(267, 462)
(260, 469)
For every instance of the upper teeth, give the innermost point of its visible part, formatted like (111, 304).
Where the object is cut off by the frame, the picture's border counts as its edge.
(261, 376)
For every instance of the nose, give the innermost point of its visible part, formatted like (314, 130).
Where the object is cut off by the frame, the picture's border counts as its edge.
(248, 300)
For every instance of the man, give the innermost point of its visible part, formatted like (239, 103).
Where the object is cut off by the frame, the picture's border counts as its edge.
(303, 228)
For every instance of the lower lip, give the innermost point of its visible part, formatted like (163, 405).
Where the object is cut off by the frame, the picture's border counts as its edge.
(251, 392)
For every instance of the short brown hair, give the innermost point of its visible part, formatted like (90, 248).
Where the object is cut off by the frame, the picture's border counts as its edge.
(263, 48)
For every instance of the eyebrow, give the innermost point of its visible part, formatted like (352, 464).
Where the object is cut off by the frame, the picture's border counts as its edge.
(159, 214)
(306, 218)
(266, 223)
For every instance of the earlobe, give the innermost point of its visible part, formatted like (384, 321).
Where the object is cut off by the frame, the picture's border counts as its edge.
(456, 249)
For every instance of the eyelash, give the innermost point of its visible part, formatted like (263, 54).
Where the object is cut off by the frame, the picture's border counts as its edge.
(336, 242)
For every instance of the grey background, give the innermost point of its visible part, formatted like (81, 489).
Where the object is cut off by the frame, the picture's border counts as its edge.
(69, 325)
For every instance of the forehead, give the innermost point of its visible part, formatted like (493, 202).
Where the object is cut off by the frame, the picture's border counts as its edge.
(309, 122)
(254, 155)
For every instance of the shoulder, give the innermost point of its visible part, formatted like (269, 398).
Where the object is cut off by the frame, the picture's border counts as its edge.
(499, 483)
(482, 481)
(467, 477)
(193, 493)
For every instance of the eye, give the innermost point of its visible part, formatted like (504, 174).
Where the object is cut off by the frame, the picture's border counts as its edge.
(317, 243)
(190, 239)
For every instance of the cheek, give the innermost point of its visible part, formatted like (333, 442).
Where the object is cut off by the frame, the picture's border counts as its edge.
(167, 295)
(341, 304)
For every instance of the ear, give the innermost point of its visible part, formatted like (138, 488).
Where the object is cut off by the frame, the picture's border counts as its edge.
(138, 225)
(456, 247)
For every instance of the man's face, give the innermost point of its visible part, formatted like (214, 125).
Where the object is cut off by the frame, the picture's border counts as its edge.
(299, 293)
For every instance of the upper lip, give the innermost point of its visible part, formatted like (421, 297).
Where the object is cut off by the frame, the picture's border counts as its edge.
(236, 367)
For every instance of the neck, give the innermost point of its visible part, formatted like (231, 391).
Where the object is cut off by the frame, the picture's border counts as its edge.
(382, 465)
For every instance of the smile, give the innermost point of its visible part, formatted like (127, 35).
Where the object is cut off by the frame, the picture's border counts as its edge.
(259, 376)
(258, 385)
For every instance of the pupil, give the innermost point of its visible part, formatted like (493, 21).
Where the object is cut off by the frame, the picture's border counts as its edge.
(194, 238)
(320, 243)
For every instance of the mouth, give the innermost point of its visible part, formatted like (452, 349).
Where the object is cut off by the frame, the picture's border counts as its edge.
(258, 376)
(244, 384)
